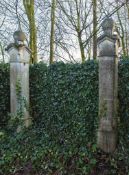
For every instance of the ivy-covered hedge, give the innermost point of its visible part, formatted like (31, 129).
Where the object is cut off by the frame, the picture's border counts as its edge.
(123, 95)
(62, 140)
(65, 96)
(4, 94)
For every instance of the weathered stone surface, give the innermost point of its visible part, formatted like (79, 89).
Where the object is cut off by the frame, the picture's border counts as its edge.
(108, 82)
(19, 54)
(19, 76)
(107, 139)
(106, 47)
(19, 36)
(108, 26)
(108, 42)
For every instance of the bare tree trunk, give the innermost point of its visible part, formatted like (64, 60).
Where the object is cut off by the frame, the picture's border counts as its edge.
(2, 52)
(127, 5)
(29, 8)
(89, 51)
(126, 43)
(79, 32)
(81, 48)
(52, 37)
(94, 29)
(123, 35)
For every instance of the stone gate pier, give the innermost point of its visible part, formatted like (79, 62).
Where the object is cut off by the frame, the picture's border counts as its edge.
(19, 76)
(108, 44)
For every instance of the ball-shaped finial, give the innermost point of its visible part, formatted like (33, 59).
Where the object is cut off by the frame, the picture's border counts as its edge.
(108, 26)
(19, 37)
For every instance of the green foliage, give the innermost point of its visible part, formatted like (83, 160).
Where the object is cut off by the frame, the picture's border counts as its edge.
(62, 139)
(103, 110)
(4, 94)
(17, 120)
(64, 97)
(124, 97)
(124, 109)
(33, 151)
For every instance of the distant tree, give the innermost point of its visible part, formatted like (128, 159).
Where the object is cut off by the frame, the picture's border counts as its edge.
(77, 13)
(94, 29)
(2, 52)
(52, 35)
(29, 9)
(127, 5)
